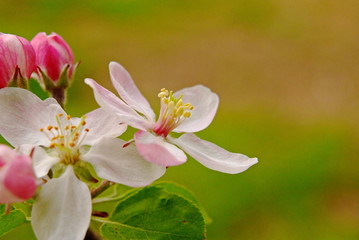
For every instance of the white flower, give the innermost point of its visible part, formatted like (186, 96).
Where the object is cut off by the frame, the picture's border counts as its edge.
(62, 209)
(188, 110)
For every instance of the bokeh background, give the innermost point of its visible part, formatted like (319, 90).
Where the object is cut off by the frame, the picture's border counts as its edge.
(287, 75)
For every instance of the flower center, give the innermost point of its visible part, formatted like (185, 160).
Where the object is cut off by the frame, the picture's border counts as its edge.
(66, 138)
(173, 112)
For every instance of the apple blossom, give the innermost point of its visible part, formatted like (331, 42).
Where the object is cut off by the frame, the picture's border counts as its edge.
(186, 111)
(53, 56)
(17, 60)
(65, 145)
(17, 178)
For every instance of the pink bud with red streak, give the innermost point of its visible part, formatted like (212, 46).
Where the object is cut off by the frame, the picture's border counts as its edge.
(17, 179)
(53, 55)
(17, 59)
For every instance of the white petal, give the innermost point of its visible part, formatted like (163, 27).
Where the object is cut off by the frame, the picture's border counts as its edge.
(205, 104)
(121, 164)
(23, 114)
(62, 210)
(108, 101)
(102, 124)
(42, 162)
(128, 90)
(155, 149)
(213, 156)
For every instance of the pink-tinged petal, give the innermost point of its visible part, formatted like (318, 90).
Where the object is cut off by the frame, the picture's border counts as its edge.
(62, 210)
(17, 179)
(205, 105)
(53, 54)
(27, 61)
(156, 150)
(108, 101)
(20, 179)
(15, 52)
(128, 90)
(102, 124)
(213, 156)
(23, 114)
(121, 164)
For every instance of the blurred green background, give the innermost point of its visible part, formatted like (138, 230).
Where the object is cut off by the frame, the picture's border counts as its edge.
(287, 75)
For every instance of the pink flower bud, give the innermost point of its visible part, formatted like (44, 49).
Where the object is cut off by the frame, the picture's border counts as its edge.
(53, 55)
(17, 57)
(17, 179)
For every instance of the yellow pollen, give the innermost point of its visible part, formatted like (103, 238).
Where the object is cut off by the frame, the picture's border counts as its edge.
(77, 134)
(87, 130)
(83, 123)
(67, 127)
(52, 145)
(68, 117)
(72, 144)
(49, 127)
(186, 114)
(72, 127)
(60, 115)
(56, 128)
(41, 129)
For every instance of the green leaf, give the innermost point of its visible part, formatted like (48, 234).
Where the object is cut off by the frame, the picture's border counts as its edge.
(184, 192)
(154, 213)
(8, 222)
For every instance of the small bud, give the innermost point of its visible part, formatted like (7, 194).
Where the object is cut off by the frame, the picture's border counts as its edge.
(17, 61)
(17, 179)
(53, 56)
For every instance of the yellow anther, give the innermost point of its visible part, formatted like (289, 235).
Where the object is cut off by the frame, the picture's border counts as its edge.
(179, 103)
(75, 139)
(54, 138)
(77, 134)
(179, 111)
(67, 127)
(83, 123)
(87, 130)
(62, 144)
(72, 144)
(41, 129)
(52, 145)
(72, 127)
(187, 114)
(49, 127)
(56, 128)
(68, 117)
(60, 115)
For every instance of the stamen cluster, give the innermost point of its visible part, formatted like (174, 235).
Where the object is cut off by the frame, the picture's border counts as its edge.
(66, 138)
(173, 112)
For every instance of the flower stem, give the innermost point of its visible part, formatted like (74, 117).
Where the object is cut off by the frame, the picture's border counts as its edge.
(91, 235)
(59, 94)
(100, 189)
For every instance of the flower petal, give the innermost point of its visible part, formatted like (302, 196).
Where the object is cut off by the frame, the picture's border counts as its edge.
(121, 164)
(62, 210)
(213, 156)
(108, 101)
(23, 114)
(156, 150)
(205, 104)
(42, 162)
(128, 90)
(102, 124)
